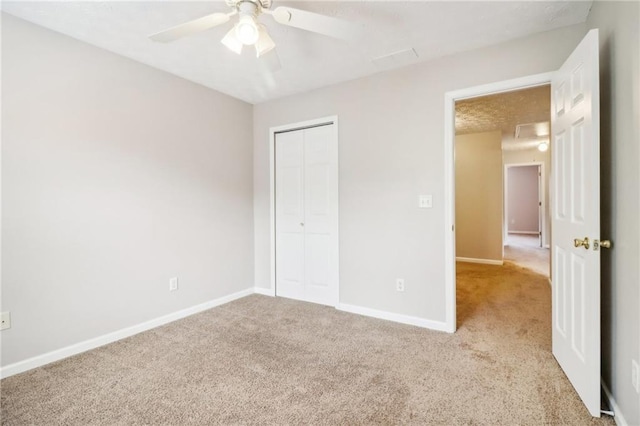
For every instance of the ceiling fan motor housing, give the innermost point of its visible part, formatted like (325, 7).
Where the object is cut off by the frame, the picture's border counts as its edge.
(264, 4)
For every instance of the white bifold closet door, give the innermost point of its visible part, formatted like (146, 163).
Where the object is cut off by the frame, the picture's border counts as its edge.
(307, 214)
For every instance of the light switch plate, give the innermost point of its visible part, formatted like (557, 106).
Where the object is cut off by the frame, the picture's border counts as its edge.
(425, 201)
(5, 318)
(173, 284)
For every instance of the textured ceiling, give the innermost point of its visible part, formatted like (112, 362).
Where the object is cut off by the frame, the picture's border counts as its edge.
(309, 61)
(504, 111)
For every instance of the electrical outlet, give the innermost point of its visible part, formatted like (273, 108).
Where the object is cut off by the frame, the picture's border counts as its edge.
(635, 375)
(173, 284)
(399, 284)
(5, 317)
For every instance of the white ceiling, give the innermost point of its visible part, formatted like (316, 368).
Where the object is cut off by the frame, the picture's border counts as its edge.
(309, 61)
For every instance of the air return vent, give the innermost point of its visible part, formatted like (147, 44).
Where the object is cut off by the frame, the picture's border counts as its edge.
(396, 59)
(532, 130)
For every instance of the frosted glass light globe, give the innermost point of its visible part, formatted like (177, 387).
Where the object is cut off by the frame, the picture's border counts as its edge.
(543, 147)
(247, 30)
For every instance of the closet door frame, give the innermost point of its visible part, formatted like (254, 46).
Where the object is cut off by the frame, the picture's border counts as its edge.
(273, 131)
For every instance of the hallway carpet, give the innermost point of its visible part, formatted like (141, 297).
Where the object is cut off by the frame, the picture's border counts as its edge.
(268, 361)
(524, 250)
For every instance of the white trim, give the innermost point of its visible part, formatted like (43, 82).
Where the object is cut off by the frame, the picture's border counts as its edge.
(272, 210)
(265, 291)
(449, 213)
(618, 417)
(390, 316)
(524, 232)
(332, 119)
(49, 357)
(483, 261)
(450, 99)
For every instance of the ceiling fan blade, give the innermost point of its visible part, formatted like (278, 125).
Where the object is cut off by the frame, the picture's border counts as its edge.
(310, 21)
(191, 27)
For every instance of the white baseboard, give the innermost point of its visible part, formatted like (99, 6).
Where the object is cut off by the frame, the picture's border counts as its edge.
(524, 232)
(53, 356)
(40, 360)
(390, 316)
(618, 417)
(265, 291)
(483, 261)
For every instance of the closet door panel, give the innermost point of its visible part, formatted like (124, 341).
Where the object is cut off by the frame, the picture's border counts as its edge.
(321, 213)
(290, 241)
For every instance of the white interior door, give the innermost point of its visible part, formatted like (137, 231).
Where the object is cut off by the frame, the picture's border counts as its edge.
(321, 215)
(307, 214)
(575, 117)
(290, 214)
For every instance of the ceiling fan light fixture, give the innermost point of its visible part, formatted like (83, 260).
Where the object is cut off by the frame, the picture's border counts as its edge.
(230, 40)
(543, 146)
(265, 43)
(247, 30)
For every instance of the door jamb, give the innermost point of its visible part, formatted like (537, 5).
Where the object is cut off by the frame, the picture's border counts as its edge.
(450, 99)
(333, 120)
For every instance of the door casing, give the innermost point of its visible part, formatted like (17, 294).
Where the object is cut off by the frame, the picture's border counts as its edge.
(333, 120)
(450, 99)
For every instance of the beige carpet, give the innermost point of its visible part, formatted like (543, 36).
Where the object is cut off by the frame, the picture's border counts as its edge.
(262, 360)
(525, 251)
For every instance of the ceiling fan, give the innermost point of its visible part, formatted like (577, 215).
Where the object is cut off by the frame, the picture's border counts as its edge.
(249, 31)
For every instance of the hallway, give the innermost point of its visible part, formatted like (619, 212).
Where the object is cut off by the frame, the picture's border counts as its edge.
(525, 251)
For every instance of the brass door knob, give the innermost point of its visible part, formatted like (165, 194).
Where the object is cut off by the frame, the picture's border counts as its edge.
(604, 244)
(577, 242)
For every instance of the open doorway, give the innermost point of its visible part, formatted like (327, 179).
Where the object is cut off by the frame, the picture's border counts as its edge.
(501, 184)
(523, 210)
(525, 242)
(501, 151)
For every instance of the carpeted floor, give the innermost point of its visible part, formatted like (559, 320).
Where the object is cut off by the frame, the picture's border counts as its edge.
(262, 360)
(525, 250)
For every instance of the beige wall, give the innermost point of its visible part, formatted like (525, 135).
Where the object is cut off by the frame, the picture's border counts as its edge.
(528, 156)
(479, 196)
(391, 151)
(619, 24)
(115, 177)
(522, 208)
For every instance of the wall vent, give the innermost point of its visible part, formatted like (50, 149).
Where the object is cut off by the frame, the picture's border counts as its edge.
(532, 130)
(396, 59)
